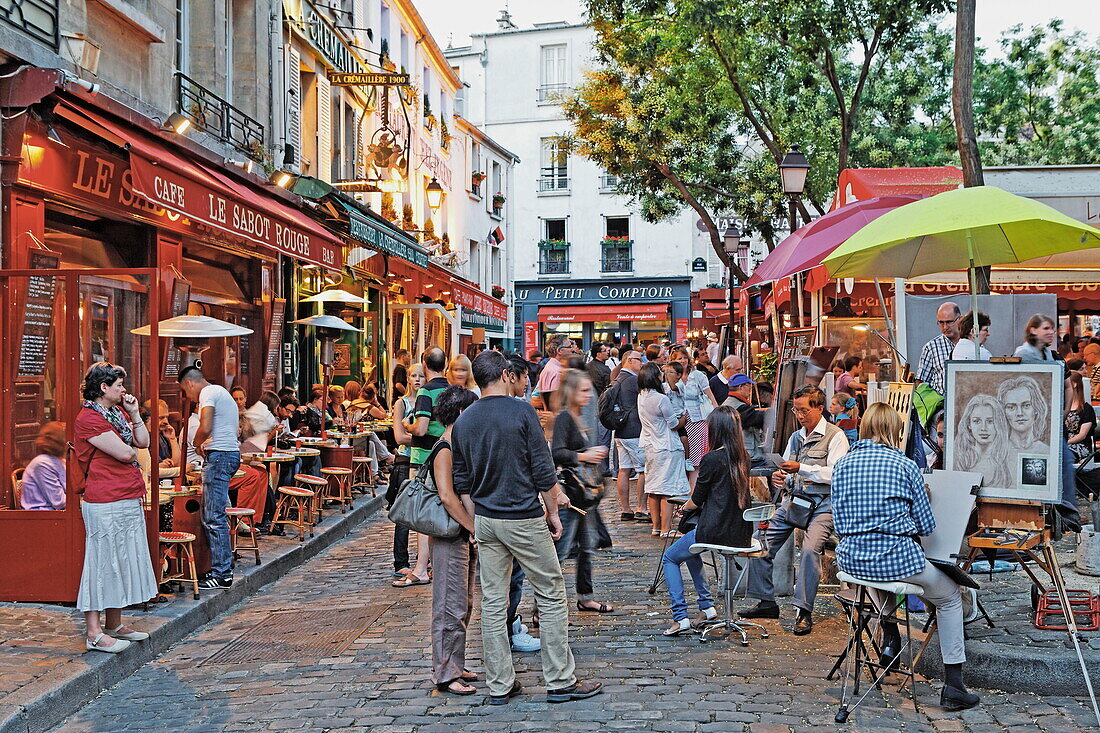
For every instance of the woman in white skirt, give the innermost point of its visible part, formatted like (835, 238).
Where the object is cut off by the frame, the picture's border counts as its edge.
(664, 453)
(118, 570)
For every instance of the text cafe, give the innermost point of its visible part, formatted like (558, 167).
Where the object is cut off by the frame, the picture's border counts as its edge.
(127, 228)
(639, 310)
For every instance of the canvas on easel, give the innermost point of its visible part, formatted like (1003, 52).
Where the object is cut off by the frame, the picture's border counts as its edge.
(1004, 421)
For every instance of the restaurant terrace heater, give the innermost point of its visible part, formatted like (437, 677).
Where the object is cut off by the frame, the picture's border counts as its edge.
(329, 328)
(191, 335)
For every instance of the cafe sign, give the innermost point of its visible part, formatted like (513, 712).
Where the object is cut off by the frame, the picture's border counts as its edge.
(368, 79)
(324, 38)
(471, 300)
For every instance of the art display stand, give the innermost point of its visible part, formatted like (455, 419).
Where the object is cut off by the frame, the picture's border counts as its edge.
(1021, 528)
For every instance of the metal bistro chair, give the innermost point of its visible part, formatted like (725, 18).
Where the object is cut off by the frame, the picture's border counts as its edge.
(876, 601)
(756, 514)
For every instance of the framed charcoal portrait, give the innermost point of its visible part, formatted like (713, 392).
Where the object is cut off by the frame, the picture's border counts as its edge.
(1004, 421)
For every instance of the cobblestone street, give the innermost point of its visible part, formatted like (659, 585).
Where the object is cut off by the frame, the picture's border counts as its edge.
(380, 683)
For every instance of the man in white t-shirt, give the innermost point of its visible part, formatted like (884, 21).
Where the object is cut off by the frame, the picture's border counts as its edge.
(216, 441)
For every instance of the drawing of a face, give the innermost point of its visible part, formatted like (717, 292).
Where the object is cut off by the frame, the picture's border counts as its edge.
(1019, 410)
(981, 425)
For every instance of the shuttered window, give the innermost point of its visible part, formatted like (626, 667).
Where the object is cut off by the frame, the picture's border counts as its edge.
(323, 169)
(294, 108)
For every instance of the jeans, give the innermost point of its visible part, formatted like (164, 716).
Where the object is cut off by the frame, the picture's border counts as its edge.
(219, 469)
(583, 530)
(527, 541)
(603, 437)
(676, 555)
(515, 594)
(809, 570)
(1068, 501)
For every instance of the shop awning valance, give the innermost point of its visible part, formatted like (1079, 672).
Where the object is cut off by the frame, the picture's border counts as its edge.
(583, 313)
(200, 193)
(472, 299)
(364, 229)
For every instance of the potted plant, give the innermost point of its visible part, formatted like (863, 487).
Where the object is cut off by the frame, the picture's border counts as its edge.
(498, 292)
(553, 244)
(444, 134)
(407, 222)
(615, 241)
(498, 200)
(388, 211)
(477, 177)
(445, 242)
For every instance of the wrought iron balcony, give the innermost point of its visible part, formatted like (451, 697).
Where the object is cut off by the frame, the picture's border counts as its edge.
(553, 266)
(549, 93)
(554, 184)
(39, 19)
(218, 117)
(617, 263)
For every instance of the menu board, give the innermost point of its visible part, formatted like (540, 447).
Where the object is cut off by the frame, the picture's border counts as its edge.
(275, 336)
(181, 297)
(38, 316)
(798, 342)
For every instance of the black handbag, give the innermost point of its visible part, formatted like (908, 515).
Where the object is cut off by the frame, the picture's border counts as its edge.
(581, 494)
(800, 510)
(689, 521)
(419, 508)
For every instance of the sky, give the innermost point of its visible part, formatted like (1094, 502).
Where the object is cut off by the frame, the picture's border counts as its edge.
(454, 20)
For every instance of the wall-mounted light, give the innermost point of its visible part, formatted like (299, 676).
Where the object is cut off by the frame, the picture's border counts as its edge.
(52, 134)
(435, 194)
(282, 179)
(178, 123)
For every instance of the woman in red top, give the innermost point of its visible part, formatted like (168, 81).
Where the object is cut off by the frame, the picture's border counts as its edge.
(118, 571)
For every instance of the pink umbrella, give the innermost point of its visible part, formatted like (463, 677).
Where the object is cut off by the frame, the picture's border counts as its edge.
(808, 246)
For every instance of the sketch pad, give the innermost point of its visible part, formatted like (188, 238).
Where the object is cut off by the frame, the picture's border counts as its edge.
(952, 503)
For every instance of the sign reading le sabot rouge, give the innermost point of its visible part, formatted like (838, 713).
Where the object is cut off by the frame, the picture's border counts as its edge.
(368, 78)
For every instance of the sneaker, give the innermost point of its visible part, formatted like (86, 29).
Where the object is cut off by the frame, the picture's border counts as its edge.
(579, 690)
(518, 627)
(212, 583)
(525, 643)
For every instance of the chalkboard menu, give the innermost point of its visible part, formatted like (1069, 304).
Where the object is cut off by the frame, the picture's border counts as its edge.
(798, 342)
(181, 297)
(275, 336)
(38, 316)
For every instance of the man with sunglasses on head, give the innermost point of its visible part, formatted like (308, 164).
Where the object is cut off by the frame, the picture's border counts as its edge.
(930, 369)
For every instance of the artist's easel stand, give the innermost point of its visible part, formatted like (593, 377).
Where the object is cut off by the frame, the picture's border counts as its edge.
(1021, 528)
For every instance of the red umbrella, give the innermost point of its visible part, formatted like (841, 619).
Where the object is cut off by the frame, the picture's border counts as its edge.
(808, 246)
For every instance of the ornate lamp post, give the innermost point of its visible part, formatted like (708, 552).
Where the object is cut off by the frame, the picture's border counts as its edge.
(731, 242)
(792, 172)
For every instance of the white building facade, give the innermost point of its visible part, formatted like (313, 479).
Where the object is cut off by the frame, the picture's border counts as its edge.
(583, 262)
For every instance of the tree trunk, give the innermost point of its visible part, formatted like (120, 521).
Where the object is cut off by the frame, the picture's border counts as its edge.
(962, 100)
(708, 221)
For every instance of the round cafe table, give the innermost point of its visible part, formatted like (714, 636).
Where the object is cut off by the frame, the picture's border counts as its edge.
(272, 462)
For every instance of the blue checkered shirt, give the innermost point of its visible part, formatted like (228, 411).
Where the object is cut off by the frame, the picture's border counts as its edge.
(930, 368)
(880, 506)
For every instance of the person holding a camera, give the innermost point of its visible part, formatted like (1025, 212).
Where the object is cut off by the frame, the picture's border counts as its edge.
(803, 481)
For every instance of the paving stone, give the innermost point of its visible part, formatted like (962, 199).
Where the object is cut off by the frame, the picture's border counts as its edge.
(653, 683)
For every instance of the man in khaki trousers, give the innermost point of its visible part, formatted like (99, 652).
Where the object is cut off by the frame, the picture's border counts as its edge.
(502, 467)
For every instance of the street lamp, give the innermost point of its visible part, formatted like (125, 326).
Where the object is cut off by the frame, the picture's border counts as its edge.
(792, 174)
(435, 195)
(731, 242)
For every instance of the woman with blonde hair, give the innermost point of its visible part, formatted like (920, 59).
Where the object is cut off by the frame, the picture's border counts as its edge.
(460, 373)
(880, 506)
(403, 409)
(981, 444)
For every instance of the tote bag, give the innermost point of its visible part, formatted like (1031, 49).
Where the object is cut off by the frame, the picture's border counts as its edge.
(418, 507)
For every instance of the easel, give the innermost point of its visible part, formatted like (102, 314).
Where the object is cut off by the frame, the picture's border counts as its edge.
(1021, 527)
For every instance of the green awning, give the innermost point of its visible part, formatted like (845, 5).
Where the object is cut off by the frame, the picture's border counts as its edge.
(384, 239)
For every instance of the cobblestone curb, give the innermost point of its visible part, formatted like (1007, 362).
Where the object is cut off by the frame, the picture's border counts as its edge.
(49, 700)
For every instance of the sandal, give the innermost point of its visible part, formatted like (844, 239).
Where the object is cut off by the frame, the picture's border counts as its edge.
(409, 580)
(678, 629)
(448, 687)
(603, 608)
(468, 676)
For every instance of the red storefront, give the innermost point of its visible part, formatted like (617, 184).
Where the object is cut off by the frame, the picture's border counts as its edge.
(151, 228)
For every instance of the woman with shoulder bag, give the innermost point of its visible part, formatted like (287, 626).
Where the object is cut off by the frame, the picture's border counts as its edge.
(402, 421)
(454, 560)
(579, 473)
(721, 496)
(118, 571)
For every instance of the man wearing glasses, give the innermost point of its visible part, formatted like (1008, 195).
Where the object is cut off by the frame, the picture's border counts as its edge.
(559, 347)
(805, 476)
(938, 350)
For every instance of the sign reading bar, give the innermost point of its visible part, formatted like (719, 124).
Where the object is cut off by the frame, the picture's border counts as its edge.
(366, 231)
(368, 78)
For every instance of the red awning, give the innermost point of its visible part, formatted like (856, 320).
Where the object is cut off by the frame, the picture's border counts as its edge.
(202, 194)
(468, 296)
(584, 313)
(858, 184)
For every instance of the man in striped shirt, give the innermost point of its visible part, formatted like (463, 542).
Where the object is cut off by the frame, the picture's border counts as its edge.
(930, 369)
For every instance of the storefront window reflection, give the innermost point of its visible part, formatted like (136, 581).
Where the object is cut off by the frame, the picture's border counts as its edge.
(647, 332)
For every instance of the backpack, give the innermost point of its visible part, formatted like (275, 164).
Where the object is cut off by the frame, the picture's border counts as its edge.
(610, 410)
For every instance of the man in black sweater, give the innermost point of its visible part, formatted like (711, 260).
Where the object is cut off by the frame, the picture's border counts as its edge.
(501, 466)
(629, 452)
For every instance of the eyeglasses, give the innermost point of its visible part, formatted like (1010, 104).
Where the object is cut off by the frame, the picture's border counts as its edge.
(800, 412)
(948, 323)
